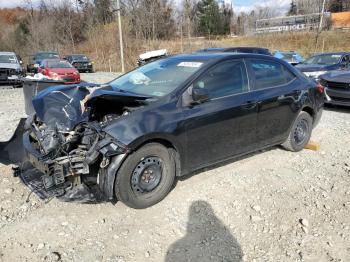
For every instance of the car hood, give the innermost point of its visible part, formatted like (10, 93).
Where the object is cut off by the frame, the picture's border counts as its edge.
(337, 76)
(62, 71)
(63, 107)
(10, 66)
(314, 67)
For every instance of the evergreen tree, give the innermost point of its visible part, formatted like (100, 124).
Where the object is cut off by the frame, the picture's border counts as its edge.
(209, 17)
(293, 10)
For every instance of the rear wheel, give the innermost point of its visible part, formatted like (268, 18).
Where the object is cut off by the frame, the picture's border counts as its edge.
(300, 133)
(145, 177)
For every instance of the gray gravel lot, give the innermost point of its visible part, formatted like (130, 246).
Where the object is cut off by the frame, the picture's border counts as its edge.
(270, 206)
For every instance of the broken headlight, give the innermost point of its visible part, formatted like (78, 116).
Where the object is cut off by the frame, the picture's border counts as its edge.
(110, 147)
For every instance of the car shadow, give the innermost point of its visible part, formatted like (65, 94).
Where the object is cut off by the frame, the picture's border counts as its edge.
(334, 108)
(206, 239)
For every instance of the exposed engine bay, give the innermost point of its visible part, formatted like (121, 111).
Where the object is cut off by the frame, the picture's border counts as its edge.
(66, 144)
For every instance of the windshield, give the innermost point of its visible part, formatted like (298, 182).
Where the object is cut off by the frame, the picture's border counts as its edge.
(323, 59)
(289, 56)
(58, 64)
(80, 57)
(46, 56)
(10, 59)
(158, 78)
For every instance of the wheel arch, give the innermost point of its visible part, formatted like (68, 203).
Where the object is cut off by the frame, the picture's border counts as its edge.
(308, 109)
(108, 176)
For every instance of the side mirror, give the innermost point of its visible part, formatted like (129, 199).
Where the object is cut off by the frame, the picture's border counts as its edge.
(344, 64)
(200, 95)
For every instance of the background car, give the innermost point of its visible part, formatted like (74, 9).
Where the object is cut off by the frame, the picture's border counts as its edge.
(320, 64)
(248, 50)
(168, 118)
(38, 58)
(291, 57)
(57, 69)
(10, 69)
(337, 84)
(151, 56)
(80, 62)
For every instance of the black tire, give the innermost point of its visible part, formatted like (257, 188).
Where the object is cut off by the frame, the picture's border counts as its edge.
(300, 133)
(130, 177)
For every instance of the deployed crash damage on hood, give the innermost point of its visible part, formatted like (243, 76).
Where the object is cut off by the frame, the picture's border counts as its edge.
(66, 142)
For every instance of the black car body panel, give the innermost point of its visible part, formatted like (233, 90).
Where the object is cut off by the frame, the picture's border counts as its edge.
(80, 62)
(247, 50)
(80, 129)
(312, 69)
(337, 84)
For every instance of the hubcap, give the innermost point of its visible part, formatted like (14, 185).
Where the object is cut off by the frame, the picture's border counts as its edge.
(147, 175)
(301, 132)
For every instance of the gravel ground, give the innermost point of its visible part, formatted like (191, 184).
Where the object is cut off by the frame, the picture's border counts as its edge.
(270, 206)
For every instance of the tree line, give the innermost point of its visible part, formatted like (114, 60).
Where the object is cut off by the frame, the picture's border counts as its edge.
(90, 25)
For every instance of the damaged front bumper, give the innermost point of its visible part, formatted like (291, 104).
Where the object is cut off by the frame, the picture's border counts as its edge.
(87, 175)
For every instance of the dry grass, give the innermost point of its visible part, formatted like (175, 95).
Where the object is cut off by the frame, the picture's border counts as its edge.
(103, 45)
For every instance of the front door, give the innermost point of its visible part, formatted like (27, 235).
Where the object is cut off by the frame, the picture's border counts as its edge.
(225, 125)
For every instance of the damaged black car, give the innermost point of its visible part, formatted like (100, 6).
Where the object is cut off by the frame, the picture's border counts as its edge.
(129, 139)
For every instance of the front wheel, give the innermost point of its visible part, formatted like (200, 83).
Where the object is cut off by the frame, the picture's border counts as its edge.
(145, 177)
(300, 133)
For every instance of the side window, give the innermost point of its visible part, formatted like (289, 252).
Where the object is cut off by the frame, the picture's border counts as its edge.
(346, 59)
(269, 74)
(225, 79)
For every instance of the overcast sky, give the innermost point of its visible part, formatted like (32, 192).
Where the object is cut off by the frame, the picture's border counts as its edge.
(239, 5)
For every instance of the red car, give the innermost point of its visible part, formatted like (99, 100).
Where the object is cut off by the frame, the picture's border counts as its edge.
(57, 69)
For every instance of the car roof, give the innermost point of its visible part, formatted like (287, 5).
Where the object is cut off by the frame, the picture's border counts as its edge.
(7, 53)
(53, 60)
(332, 53)
(76, 55)
(220, 56)
(213, 49)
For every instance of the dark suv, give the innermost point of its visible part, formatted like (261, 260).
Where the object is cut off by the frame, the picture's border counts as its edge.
(133, 136)
(80, 62)
(38, 58)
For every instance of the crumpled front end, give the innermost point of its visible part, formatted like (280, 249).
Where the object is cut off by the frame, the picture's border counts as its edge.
(69, 155)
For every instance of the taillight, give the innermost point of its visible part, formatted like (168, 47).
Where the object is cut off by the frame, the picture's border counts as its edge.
(320, 88)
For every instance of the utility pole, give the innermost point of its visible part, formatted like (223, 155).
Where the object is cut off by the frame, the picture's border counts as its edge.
(320, 26)
(120, 37)
(322, 15)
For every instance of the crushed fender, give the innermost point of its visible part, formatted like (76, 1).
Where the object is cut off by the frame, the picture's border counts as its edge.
(63, 151)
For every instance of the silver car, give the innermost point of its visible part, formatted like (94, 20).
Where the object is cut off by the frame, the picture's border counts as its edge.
(10, 69)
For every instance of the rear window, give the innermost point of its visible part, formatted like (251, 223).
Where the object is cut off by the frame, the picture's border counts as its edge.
(58, 64)
(269, 74)
(47, 56)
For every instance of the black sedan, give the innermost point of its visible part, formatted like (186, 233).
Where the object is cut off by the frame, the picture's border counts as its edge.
(80, 62)
(337, 84)
(247, 50)
(132, 137)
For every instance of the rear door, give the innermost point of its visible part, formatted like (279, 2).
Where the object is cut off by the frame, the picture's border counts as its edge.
(278, 92)
(226, 124)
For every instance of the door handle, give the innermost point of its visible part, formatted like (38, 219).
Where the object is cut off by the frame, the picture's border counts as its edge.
(249, 105)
